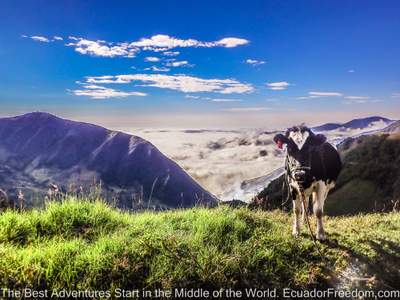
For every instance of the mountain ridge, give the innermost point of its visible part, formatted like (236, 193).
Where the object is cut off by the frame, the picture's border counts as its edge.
(360, 123)
(38, 149)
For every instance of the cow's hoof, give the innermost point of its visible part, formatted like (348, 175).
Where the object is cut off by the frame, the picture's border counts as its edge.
(296, 233)
(321, 236)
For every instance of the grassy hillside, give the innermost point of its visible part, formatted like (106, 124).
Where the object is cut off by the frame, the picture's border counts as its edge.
(370, 179)
(88, 245)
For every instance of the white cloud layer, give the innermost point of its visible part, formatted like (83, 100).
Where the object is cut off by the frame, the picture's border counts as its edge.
(183, 83)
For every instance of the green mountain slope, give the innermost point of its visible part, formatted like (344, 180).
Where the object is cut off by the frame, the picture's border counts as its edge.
(370, 179)
(88, 245)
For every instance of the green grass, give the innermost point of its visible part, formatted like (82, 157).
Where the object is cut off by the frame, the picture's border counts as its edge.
(88, 245)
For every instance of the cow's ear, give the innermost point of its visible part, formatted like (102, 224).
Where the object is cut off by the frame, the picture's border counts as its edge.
(320, 138)
(280, 139)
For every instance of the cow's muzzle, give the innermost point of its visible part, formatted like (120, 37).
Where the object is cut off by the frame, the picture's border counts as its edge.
(300, 174)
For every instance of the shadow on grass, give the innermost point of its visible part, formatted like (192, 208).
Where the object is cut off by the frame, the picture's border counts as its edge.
(363, 272)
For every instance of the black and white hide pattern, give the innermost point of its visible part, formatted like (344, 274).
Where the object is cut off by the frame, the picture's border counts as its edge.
(312, 165)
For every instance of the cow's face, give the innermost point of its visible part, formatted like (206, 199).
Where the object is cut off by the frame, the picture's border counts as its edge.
(296, 137)
(299, 135)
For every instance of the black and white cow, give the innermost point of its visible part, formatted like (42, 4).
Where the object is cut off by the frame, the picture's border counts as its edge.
(312, 166)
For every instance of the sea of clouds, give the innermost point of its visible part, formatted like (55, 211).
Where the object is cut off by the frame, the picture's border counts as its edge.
(221, 160)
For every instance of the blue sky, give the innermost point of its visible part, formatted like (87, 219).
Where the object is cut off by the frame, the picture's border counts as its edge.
(200, 63)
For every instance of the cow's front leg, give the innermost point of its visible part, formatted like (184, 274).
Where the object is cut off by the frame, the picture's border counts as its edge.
(296, 214)
(304, 210)
(319, 199)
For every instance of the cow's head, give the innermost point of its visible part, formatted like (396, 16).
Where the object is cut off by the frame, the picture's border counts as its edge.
(297, 136)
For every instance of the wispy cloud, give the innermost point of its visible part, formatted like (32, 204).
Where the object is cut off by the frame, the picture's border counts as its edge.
(178, 63)
(278, 86)
(39, 38)
(171, 53)
(183, 83)
(395, 95)
(192, 97)
(230, 42)
(313, 95)
(162, 41)
(254, 62)
(43, 39)
(225, 100)
(212, 99)
(356, 102)
(156, 43)
(356, 97)
(101, 48)
(351, 71)
(157, 69)
(151, 59)
(325, 94)
(99, 92)
(246, 109)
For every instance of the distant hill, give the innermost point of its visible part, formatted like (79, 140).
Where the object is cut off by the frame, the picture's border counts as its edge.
(353, 124)
(39, 149)
(327, 127)
(392, 128)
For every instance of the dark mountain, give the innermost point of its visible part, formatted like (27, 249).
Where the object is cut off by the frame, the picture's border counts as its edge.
(39, 149)
(327, 127)
(353, 124)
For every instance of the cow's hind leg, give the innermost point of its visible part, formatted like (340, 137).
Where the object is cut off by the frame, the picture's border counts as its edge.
(296, 213)
(318, 206)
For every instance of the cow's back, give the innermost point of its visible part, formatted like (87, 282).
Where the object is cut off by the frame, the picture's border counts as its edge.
(326, 163)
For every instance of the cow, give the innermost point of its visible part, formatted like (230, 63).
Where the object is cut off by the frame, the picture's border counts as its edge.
(312, 166)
